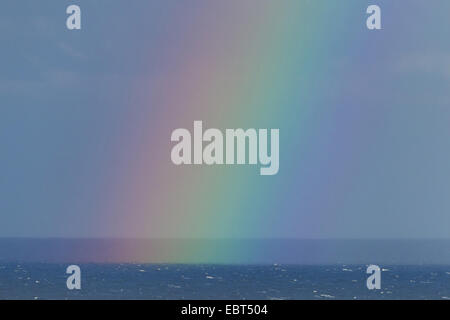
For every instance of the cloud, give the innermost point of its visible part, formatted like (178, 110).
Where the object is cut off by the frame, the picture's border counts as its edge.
(70, 51)
(429, 63)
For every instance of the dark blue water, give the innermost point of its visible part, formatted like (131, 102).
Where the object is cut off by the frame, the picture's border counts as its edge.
(134, 281)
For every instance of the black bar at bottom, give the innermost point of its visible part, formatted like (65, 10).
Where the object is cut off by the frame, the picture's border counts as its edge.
(221, 309)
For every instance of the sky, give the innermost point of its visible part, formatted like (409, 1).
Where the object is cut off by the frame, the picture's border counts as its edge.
(86, 118)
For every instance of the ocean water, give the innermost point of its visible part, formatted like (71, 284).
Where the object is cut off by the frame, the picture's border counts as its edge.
(172, 281)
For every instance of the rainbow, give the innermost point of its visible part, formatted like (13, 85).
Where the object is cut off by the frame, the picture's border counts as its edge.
(289, 65)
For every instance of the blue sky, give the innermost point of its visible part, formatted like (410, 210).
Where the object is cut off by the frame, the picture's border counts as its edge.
(63, 95)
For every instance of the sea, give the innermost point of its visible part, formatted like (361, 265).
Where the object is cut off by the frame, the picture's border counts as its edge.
(241, 269)
(217, 281)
